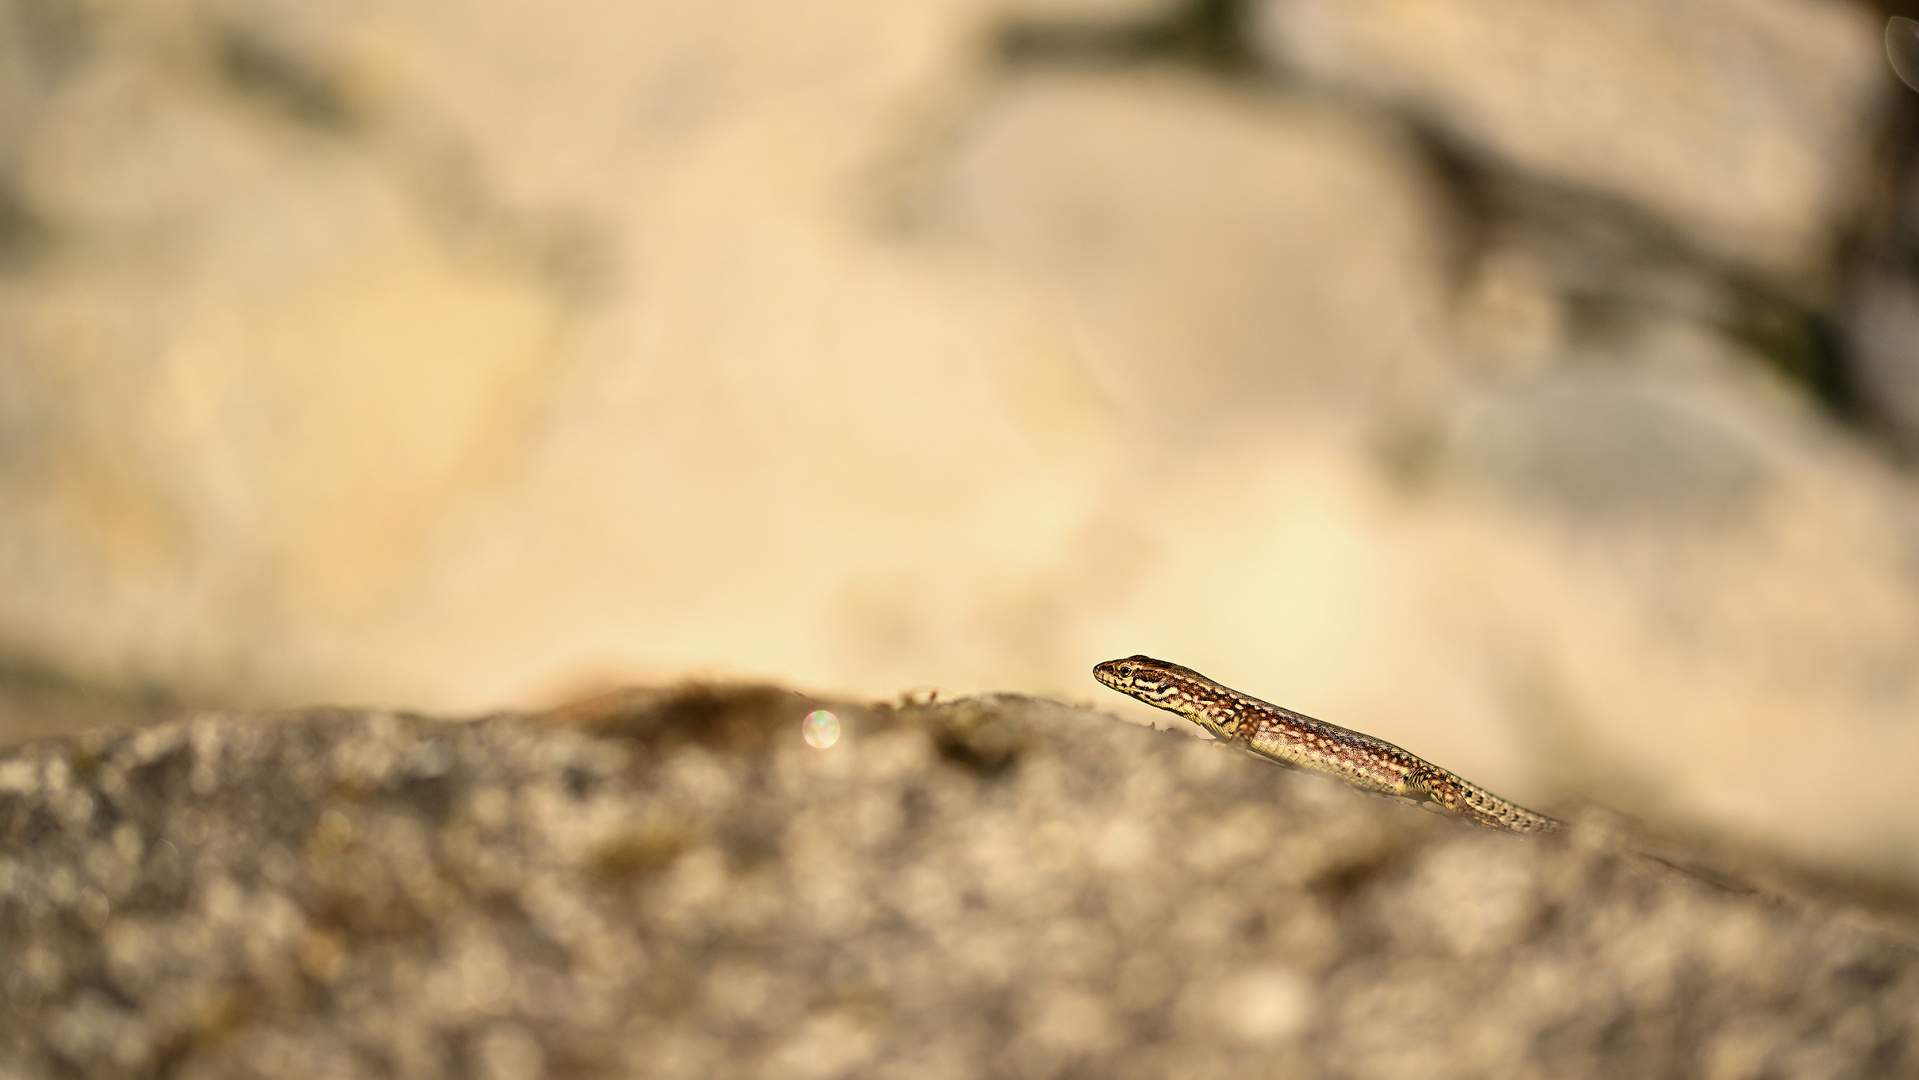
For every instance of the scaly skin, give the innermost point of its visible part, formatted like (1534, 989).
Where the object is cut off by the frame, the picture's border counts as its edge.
(1302, 742)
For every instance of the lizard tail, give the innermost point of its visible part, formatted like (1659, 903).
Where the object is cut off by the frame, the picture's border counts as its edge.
(1480, 806)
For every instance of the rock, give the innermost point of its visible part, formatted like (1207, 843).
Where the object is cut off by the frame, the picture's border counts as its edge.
(1744, 127)
(1224, 257)
(666, 884)
(303, 288)
(1596, 444)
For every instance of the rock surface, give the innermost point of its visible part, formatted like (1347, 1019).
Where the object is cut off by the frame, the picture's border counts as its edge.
(665, 884)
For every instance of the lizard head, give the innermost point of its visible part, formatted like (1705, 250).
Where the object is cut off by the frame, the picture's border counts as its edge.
(1155, 682)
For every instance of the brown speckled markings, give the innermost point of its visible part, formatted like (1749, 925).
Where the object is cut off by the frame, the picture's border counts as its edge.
(1302, 742)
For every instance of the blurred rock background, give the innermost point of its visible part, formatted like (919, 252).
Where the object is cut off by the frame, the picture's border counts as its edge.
(1534, 385)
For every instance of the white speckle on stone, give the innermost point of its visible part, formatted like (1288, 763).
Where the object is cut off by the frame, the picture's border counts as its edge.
(485, 979)
(1264, 1006)
(508, 1052)
(828, 1044)
(1072, 1021)
(94, 908)
(17, 776)
(1122, 844)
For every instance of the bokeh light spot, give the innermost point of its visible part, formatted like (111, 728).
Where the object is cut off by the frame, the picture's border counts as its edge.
(821, 729)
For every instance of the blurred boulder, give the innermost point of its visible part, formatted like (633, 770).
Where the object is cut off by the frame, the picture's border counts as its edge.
(293, 298)
(1226, 258)
(1742, 126)
(1601, 444)
(254, 341)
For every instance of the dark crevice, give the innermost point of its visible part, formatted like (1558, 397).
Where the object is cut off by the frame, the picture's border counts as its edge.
(1808, 348)
(284, 83)
(23, 233)
(1205, 34)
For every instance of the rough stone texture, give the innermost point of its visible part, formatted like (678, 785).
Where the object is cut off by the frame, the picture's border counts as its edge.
(1738, 124)
(675, 885)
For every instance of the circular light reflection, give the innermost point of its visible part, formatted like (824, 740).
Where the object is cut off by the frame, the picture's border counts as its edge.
(820, 729)
(1902, 48)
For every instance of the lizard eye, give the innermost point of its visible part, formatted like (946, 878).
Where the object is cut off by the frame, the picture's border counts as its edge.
(1126, 670)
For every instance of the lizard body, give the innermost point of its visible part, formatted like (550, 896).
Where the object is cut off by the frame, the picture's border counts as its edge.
(1299, 741)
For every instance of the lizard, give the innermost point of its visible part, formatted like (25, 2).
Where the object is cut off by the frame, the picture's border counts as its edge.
(1299, 741)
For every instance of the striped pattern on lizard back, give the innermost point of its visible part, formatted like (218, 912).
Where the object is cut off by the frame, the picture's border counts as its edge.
(1302, 742)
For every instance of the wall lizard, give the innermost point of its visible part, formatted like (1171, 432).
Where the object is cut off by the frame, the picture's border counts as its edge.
(1302, 742)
